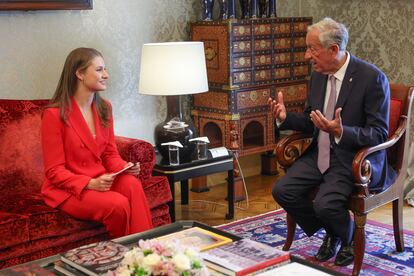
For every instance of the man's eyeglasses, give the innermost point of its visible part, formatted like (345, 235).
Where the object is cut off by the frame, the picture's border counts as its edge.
(312, 50)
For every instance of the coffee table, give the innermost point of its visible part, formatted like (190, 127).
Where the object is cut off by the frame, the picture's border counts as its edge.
(48, 263)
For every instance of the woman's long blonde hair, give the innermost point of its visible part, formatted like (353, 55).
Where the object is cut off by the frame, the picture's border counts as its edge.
(78, 59)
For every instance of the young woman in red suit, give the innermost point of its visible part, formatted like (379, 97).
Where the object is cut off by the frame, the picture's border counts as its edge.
(80, 154)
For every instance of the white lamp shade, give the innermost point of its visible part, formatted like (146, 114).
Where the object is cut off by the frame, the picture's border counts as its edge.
(173, 68)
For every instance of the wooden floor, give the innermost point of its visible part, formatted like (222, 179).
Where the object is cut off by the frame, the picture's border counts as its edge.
(210, 207)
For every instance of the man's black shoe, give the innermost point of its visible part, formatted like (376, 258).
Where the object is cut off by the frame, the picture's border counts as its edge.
(328, 248)
(345, 255)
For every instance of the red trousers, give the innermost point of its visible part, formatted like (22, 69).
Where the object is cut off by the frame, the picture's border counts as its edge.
(123, 210)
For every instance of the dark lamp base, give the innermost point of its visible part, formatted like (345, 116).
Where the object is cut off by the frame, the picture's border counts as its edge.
(164, 135)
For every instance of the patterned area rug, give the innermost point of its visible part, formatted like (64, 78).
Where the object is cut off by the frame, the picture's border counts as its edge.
(380, 255)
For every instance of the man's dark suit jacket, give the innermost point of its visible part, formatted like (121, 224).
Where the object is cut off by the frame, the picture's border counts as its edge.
(365, 100)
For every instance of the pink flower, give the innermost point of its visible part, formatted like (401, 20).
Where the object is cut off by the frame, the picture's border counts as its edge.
(160, 258)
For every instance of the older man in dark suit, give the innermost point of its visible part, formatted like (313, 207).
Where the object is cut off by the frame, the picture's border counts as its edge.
(347, 109)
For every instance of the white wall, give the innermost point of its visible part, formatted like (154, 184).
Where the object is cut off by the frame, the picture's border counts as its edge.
(34, 45)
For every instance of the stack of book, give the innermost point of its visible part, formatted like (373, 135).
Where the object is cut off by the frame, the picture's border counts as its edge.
(93, 259)
(222, 255)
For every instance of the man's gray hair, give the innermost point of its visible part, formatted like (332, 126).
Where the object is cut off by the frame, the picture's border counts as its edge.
(331, 32)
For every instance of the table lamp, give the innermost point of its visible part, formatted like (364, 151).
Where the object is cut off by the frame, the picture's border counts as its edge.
(173, 69)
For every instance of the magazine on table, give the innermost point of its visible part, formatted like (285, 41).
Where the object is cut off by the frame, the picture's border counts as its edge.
(244, 257)
(95, 259)
(196, 237)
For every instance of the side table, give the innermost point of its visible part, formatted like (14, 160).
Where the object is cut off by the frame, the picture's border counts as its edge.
(195, 168)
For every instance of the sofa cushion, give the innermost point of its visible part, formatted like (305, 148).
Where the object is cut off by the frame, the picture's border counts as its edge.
(20, 148)
(33, 250)
(42, 220)
(13, 229)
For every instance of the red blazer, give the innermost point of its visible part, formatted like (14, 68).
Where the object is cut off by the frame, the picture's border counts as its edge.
(72, 156)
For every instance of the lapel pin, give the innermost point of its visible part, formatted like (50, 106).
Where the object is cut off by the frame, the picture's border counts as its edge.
(350, 79)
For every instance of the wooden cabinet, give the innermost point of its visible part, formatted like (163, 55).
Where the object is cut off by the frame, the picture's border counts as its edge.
(247, 61)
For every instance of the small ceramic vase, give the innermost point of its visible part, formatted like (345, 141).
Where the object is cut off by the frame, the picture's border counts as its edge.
(244, 7)
(254, 11)
(207, 14)
(262, 8)
(272, 8)
(231, 8)
(223, 10)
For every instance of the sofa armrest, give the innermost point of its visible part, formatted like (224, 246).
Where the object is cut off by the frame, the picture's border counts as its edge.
(135, 150)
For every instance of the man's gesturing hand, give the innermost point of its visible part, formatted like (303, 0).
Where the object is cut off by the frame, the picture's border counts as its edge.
(331, 126)
(277, 107)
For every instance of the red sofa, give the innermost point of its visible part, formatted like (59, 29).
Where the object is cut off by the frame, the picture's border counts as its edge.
(29, 229)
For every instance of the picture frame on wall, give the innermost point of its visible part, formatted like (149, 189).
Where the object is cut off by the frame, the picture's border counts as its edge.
(46, 5)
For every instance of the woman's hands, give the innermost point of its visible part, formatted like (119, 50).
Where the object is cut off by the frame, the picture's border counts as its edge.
(102, 183)
(134, 170)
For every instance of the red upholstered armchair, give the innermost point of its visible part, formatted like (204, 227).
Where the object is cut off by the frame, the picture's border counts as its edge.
(29, 229)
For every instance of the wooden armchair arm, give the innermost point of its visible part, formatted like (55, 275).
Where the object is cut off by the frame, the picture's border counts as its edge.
(290, 147)
(361, 166)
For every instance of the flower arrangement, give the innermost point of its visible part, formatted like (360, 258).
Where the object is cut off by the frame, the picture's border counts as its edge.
(152, 257)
